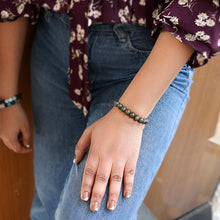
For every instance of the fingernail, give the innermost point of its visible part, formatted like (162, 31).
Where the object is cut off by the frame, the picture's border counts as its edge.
(27, 145)
(111, 205)
(74, 159)
(127, 194)
(85, 196)
(95, 206)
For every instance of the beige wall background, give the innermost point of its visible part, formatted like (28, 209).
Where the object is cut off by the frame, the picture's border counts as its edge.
(190, 170)
(186, 178)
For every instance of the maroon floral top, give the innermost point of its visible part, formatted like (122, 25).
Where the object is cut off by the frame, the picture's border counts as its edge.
(194, 22)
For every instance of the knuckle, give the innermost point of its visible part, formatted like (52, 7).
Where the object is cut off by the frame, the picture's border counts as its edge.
(116, 178)
(86, 186)
(101, 178)
(130, 172)
(89, 172)
(96, 195)
(113, 195)
(129, 184)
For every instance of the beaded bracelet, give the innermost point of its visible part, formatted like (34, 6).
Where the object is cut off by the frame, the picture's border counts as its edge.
(10, 101)
(130, 113)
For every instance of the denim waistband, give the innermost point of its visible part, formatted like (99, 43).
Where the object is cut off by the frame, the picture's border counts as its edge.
(110, 26)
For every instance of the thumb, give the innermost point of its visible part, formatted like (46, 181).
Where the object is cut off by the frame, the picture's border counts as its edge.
(82, 144)
(26, 136)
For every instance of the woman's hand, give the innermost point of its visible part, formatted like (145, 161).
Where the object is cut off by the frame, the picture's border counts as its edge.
(114, 141)
(15, 128)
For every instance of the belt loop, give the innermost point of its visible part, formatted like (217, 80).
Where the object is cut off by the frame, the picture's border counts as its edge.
(119, 32)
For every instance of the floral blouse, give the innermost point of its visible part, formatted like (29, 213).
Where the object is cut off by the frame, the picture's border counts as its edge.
(194, 22)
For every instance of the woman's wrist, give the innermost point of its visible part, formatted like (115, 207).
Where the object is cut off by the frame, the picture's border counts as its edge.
(8, 84)
(4, 103)
(121, 117)
(8, 94)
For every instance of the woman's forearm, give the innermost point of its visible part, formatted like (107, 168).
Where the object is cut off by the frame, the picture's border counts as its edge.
(161, 67)
(12, 38)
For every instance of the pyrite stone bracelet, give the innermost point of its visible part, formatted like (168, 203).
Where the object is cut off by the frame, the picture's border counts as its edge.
(10, 101)
(130, 113)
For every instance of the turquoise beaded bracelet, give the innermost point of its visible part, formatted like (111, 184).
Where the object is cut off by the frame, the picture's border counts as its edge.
(10, 101)
(130, 113)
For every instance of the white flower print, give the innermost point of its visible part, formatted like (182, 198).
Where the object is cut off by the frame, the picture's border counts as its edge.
(202, 16)
(4, 14)
(182, 2)
(142, 2)
(124, 14)
(89, 21)
(26, 15)
(187, 4)
(85, 58)
(190, 37)
(133, 19)
(80, 72)
(56, 7)
(205, 54)
(218, 42)
(88, 98)
(85, 111)
(173, 19)
(93, 11)
(216, 2)
(202, 36)
(78, 52)
(142, 21)
(77, 91)
(200, 33)
(20, 8)
(77, 104)
(80, 33)
(96, 14)
(200, 58)
(210, 23)
(45, 5)
(200, 23)
(178, 37)
(72, 36)
(203, 20)
(155, 13)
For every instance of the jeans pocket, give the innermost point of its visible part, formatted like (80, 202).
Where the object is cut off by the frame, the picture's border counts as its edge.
(47, 15)
(140, 41)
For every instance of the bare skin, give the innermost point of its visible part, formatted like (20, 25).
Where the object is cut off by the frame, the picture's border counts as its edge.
(118, 154)
(117, 157)
(13, 120)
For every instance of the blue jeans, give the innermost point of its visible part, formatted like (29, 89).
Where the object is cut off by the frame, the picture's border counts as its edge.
(116, 52)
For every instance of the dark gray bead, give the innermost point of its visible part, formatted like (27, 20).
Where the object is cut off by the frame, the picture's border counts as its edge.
(132, 115)
(120, 106)
(136, 118)
(145, 120)
(116, 103)
(127, 111)
(123, 108)
(141, 120)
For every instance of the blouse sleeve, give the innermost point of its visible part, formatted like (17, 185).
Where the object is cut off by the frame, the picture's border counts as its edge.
(11, 10)
(194, 22)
